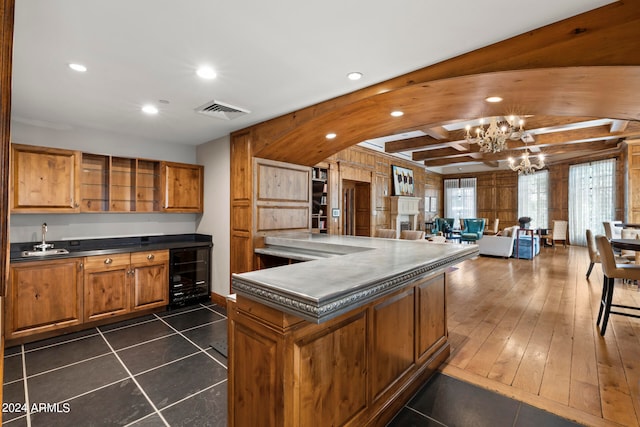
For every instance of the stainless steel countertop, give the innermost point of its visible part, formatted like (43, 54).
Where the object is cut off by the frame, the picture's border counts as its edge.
(362, 269)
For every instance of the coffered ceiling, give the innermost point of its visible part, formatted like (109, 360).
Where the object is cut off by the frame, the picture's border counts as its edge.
(275, 58)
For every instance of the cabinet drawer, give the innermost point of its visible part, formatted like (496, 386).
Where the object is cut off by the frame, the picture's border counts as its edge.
(105, 262)
(149, 257)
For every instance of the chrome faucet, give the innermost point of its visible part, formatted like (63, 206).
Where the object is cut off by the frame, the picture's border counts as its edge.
(44, 245)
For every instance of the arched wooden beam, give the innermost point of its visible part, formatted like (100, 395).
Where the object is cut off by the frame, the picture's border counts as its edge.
(596, 92)
(606, 36)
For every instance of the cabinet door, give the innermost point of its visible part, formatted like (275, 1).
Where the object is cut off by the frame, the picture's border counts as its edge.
(150, 274)
(182, 187)
(43, 296)
(44, 179)
(106, 286)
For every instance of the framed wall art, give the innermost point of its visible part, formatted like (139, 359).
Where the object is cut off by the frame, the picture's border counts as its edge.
(402, 181)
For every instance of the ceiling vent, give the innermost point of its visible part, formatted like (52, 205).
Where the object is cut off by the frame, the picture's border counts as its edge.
(220, 110)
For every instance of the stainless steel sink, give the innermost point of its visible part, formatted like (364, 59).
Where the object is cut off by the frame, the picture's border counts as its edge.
(45, 253)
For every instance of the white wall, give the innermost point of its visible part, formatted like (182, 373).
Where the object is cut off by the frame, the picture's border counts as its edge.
(26, 227)
(216, 158)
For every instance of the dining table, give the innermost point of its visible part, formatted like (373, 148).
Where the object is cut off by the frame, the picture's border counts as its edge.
(627, 244)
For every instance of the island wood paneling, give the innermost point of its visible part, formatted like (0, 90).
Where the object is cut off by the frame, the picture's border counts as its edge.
(358, 369)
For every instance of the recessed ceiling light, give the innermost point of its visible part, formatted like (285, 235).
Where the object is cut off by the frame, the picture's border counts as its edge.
(206, 73)
(149, 109)
(356, 75)
(78, 67)
(397, 113)
(493, 99)
(330, 135)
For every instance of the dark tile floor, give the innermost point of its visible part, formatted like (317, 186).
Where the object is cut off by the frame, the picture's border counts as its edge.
(446, 401)
(157, 370)
(168, 369)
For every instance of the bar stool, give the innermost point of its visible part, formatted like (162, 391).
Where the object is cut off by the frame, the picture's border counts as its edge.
(613, 271)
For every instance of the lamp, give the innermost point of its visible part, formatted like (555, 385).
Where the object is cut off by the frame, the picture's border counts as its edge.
(493, 139)
(526, 167)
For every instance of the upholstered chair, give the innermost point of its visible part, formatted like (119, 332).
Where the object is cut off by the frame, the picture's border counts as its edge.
(611, 230)
(473, 229)
(594, 255)
(386, 233)
(559, 232)
(412, 234)
(611, 272)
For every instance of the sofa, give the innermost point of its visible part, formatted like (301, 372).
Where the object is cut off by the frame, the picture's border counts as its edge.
(499, 245)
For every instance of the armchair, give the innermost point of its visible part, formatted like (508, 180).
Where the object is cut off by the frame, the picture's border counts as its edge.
(473, 229)
(440, 224)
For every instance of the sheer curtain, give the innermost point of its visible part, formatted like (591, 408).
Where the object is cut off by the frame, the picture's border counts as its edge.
(591, 198)
(460, 199)
(533, 198)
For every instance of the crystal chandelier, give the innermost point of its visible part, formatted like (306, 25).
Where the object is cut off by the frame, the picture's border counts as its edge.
(494, 138)
(526, 167)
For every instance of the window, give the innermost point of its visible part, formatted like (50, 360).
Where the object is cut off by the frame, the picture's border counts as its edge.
(591, 198)
(533, 191)
(460, 199)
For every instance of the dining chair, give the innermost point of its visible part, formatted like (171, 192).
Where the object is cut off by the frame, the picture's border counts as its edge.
(594, 255)
(611, 230)
(611, 272)
(412, 234)
(386, 233)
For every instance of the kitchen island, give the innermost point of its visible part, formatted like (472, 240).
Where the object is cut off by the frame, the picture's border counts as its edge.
(344, 339)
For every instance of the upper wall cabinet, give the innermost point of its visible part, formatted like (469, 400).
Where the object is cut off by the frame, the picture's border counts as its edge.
(44, 179)
(51, 180)
(182, 187)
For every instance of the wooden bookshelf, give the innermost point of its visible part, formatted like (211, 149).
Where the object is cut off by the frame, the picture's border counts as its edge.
(320, 204)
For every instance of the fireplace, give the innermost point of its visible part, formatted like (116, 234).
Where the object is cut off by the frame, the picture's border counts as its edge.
(404, 210)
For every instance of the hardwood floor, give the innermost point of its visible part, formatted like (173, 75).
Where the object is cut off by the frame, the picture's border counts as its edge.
(527, 329)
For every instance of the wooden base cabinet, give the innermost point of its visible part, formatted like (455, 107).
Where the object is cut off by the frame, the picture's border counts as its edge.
(43, 296)
(358, 369)
(122, 283)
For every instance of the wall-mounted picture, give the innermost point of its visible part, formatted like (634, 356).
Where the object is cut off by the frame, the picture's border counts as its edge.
(402, 181)
(431, 204)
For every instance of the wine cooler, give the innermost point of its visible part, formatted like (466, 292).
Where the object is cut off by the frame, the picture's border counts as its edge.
(189, 276)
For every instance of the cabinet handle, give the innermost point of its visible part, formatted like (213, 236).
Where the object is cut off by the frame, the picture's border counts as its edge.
(108, 261)
(150, 257)
(80, 266)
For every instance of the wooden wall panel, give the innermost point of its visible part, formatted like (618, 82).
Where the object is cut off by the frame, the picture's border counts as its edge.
(633, 190)
(278, 218)
(280, 183)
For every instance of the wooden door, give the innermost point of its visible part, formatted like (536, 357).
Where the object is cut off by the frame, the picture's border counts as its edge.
(363, 209)
(150, 279)
(348, 207)
(182, 187)
(44, 179)
(43, 296)
(106, 286)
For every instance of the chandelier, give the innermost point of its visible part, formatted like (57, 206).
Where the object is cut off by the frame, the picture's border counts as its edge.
(526, 167)
(494, 138)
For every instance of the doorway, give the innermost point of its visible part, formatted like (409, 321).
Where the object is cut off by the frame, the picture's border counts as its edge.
(356, 204)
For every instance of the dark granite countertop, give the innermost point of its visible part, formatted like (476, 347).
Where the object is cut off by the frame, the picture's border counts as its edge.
(90, 247)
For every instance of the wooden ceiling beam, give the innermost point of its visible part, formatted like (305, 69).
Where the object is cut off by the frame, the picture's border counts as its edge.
(437, 132)
(449, 161)
(431, 154)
